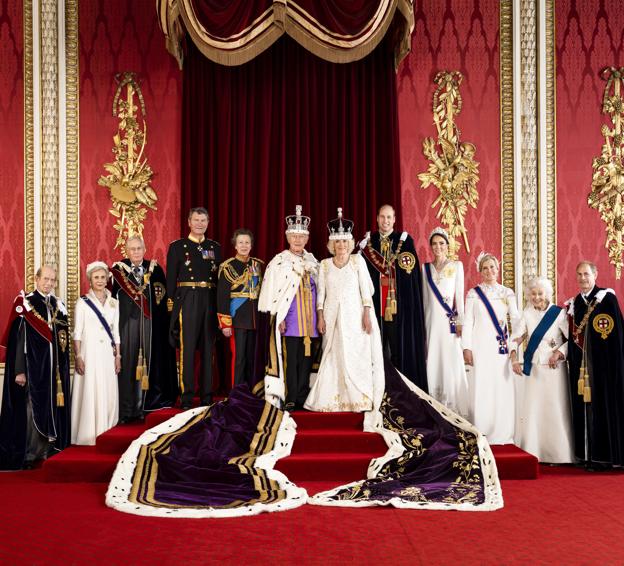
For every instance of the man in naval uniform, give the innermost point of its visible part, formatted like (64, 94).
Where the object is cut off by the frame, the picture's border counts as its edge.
(288, 294)
(240, 278)
(393, 265)
(596, 364)
(192, 270)
(35, 413)
(147, 378)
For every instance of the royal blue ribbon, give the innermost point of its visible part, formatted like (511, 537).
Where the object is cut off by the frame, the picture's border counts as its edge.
(540, 330)
(451, 313)
(501, 334)
(237, 302)
(101, 318)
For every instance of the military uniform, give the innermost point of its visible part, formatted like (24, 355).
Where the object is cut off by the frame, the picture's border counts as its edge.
(147, 378)
(192, 270)
(237, 308)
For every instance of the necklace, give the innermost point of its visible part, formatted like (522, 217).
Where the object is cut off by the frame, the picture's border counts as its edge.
(340, 264)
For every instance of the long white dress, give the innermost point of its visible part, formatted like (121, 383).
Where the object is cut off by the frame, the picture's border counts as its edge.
(446, 373)
(95, 395)
(351, 373)
(544, 418)
(491, 378)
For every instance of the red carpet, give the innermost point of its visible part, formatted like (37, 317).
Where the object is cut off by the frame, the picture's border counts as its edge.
(566, 517)
(328, 447)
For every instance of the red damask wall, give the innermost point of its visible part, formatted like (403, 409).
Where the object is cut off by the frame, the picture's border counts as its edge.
(453, 35)
(12, 166)
(118, 36)
(589, 37)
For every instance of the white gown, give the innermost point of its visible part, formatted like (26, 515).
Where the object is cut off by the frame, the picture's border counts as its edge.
(490, 379)
(446, 373)
(544, 419)
(95, 395)
(351, 373)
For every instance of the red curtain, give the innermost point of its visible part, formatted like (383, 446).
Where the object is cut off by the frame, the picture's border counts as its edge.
(288, 128)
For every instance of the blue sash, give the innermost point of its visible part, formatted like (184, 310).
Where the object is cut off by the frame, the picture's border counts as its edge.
(547, 320)
(451, 313)
(501, 334)
(237, 302)
(101, 318)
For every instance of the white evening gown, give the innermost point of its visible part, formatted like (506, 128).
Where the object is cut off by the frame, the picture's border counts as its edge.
(351, 373)
(490, 379)
(95, 395)
(446, 373)
(543, 411)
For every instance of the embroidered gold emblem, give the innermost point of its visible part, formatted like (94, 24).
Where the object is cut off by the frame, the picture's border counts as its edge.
(62, 338)
(407, 261)
(159, 292)
(603, 324)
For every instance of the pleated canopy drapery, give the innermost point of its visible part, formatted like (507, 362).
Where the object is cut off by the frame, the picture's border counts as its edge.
(232, 32)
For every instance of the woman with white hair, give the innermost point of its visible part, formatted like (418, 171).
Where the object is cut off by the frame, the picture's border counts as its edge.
(443, 302)
(95, 391)
(544, 420)
(490, 308)
(351, 372)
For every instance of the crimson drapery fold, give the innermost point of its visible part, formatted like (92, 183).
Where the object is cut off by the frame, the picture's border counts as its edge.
(234, 32)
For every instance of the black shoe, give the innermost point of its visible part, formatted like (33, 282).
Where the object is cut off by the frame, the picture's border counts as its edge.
(28, 465)
(290, 407)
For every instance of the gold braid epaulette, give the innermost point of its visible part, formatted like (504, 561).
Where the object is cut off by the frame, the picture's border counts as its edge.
(391, 259)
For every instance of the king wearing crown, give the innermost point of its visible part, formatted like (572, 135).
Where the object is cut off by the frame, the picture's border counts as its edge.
(288, 294)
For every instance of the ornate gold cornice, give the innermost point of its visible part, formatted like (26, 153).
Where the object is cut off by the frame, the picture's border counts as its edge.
(72, 101)
(29, 151)
(507, 143)
(550, 238)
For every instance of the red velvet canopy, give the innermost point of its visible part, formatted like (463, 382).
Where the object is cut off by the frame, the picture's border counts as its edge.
(232, 32)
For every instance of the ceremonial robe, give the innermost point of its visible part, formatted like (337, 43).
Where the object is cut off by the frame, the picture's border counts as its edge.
(35, 418)
(597, 343)
(144, 325)
(404, 334)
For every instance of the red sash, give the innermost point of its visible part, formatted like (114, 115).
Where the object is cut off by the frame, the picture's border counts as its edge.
(22, 308)
(386, 272)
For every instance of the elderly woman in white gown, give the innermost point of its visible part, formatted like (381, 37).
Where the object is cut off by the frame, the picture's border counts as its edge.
(351, 373)
(490, 307)
(544, 419)
(443, 301)
(95, 391)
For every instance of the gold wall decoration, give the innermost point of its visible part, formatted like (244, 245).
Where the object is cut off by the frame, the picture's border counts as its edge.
(452, 169)
(129, 175)
(608, 169)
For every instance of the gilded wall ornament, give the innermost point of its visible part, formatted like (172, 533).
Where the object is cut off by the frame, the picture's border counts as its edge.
(129, 175)
(608, 169)
(452, 168)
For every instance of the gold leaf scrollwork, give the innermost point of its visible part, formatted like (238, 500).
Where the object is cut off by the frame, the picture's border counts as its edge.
(129, 175)
(452, 168)
(608, 169)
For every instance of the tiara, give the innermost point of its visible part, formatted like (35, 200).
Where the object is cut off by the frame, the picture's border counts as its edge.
(439, 231)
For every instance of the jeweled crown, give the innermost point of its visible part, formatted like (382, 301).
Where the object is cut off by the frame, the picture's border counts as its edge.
(340, 228)
(297, 223)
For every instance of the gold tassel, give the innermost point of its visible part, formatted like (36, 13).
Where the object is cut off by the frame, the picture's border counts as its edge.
(139, 368)
(389, 309)
(60, 397)
(581, 380)
(587, 390)
(307, 343)
(144, 379)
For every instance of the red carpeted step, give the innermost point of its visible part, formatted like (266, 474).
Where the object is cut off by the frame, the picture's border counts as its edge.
(307, 420)
(513, 463)
(338, 440)
(324, 467)
(80, 464)
(117, 439)
(156, 417)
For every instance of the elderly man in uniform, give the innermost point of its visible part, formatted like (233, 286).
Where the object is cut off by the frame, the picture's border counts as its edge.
(35, 414)
(393, 265)
(596, 364)
(192, 270)
(288, 294)
(147, 376)
(240, 278)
